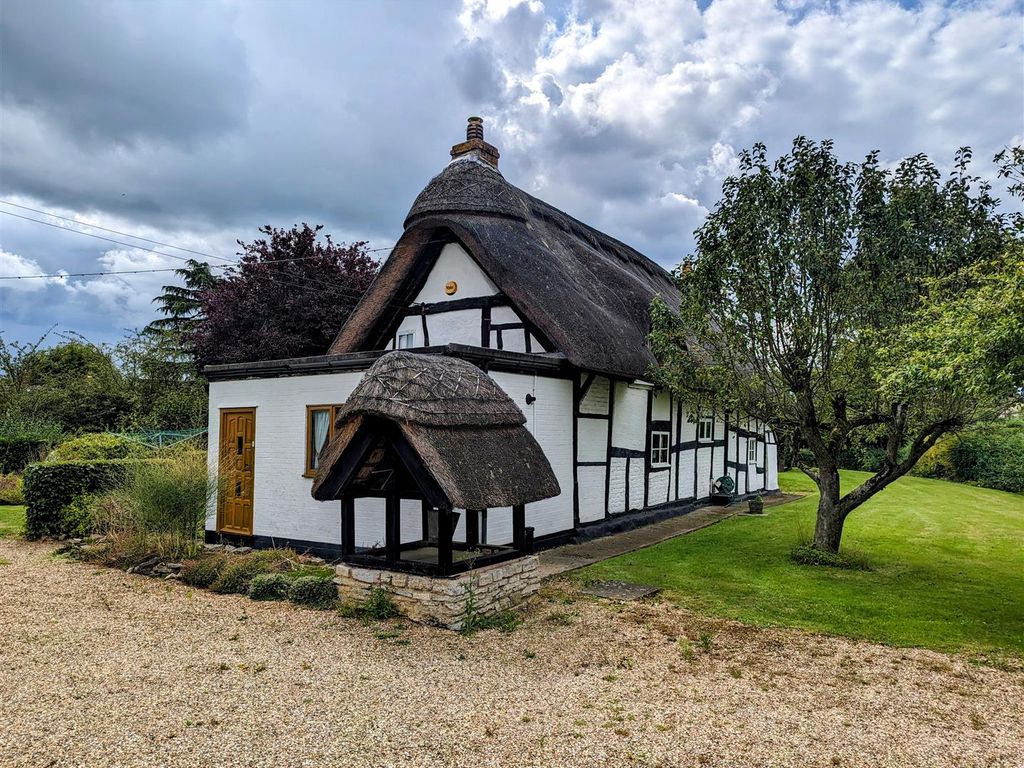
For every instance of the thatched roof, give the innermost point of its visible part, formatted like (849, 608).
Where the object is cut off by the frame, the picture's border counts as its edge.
(466, 431)
(588, 294)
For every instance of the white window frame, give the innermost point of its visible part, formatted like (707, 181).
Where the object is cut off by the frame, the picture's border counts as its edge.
(410, 335)
(657, 451)
(706, 424)
(751, 451)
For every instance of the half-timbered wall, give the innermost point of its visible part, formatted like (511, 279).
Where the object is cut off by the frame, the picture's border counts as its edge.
(616, 423)
(283, 507)
(475, 314)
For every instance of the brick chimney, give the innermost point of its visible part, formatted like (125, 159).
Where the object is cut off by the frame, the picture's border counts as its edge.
(474, 147)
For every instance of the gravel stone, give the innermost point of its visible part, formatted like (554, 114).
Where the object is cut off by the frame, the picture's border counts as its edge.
(102, 668)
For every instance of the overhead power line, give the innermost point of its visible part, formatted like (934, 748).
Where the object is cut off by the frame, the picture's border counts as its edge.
(96, 274)
(128, 234)
(108, 229)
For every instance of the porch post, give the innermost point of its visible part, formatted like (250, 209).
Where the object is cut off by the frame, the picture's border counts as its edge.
(445, 531)
(348, 525)
(392, 527)
(472, 527)
(519, 527)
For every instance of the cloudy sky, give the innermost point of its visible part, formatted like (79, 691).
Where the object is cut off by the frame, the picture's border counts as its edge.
(193, 122)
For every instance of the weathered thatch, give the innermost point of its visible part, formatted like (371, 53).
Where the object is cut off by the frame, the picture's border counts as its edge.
(466, 432)
(432, 391)
(588, 294)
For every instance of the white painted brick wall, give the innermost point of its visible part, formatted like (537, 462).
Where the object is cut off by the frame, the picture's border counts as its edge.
(659, 488)
(592, 437)
(591, 493)
(596, 400)
(617, 486)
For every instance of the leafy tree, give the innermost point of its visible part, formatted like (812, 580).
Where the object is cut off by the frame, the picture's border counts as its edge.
(74, 384)
(288, 297)
(166, 391)
(182, 305)
(830, 299)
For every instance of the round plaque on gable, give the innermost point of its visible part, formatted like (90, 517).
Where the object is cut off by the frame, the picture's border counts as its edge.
(451, 287)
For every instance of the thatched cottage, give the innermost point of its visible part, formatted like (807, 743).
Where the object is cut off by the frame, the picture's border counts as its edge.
(487, 395)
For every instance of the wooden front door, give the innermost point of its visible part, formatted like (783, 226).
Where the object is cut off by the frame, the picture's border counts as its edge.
(237, 460)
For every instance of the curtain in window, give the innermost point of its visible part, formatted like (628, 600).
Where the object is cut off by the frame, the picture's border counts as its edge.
(321, 428)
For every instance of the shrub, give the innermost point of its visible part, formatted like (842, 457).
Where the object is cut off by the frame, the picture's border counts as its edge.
(237, 575)
(203, 571)
(991, 455)
(808, 555)
(18, 451)
(11, 489)
(78, 515)
(269, 586)
(314, 591)
(99, 446)
(50, 487)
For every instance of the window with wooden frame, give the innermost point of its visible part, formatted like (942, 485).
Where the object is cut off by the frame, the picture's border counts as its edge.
(706, 428)
(751, 450)
(319, 430)
(406, 340)
(659, 449)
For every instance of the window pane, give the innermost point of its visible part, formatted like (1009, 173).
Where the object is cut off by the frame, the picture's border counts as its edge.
(320, 427)
(406, 340)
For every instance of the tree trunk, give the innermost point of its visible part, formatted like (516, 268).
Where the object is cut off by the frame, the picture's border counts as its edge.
(828, 528)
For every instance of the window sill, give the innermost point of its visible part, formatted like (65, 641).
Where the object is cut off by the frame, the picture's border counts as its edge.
(310, 475)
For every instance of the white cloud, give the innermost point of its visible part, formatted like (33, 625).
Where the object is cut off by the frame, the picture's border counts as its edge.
(14, 266)
(653, 98)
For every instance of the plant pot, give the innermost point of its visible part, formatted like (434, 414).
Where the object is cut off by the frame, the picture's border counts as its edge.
(755, 506)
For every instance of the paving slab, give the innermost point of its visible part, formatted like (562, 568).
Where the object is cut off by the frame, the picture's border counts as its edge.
(622, 591)
(572, 556)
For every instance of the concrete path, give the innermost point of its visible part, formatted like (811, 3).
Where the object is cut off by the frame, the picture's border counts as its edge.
(572, 556)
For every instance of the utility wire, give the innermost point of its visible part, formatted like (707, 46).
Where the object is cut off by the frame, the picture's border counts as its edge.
(107, 229)
(280, 281)
(96, 274)
(309, 282)
(136, 237)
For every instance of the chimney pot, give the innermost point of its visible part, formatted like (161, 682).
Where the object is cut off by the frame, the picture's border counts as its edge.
(474, 146)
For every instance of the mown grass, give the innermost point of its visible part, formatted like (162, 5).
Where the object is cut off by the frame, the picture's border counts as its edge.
(12, 520)
(946, 568)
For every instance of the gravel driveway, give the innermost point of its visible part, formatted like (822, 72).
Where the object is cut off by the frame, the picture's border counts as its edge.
(99, 668)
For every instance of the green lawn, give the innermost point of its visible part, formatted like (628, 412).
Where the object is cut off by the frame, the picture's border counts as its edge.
(12, 521)
(947, 568)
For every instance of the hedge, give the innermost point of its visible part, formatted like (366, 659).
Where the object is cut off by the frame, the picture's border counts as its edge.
(991, 456)
(51, 487)
(18, 451)
(98, 446)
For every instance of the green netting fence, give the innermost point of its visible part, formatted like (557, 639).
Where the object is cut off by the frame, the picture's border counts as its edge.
(164, 437)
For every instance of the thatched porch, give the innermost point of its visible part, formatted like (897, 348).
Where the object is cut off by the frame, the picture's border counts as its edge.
(440, 431)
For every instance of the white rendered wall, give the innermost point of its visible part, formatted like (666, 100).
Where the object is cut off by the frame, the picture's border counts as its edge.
(453, 263)
(282, 504)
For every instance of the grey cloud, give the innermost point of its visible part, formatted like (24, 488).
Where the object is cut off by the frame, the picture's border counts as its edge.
(125, 73)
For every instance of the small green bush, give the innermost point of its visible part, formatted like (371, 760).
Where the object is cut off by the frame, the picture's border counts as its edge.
(203, 571)
(50, 487)
(269, 586)
(237, 575)
(313, 591)
(97, 447)
(808, 555)
(78, 515)
(11, 489)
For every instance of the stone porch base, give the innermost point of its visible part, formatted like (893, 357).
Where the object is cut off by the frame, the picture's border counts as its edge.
(442, 601)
